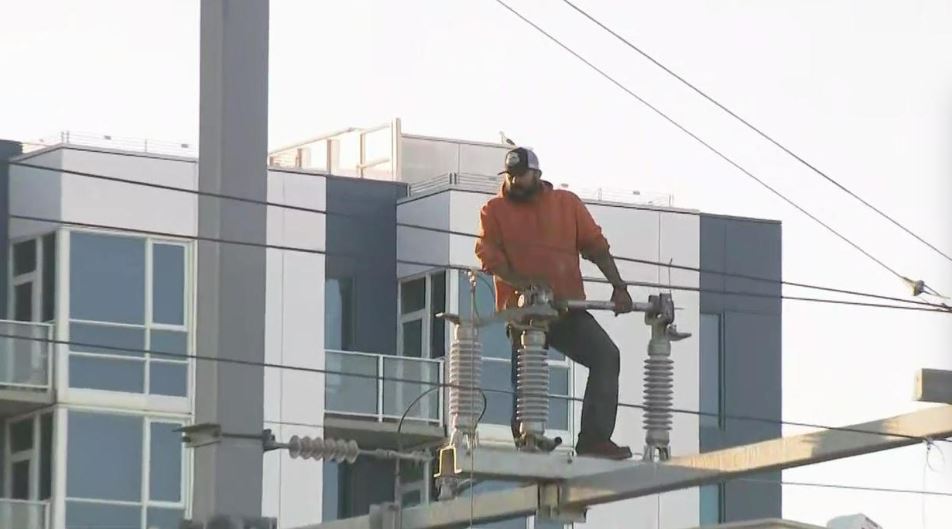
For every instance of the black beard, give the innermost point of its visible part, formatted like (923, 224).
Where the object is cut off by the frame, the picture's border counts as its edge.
(522, 195)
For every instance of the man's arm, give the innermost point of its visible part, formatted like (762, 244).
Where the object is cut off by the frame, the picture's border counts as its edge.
(491, 255)
(594, 246)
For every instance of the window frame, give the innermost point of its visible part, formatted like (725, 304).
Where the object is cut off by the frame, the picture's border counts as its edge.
(105, 397)
(35, 277)
(34, 454)
(720, 422)
(422, 314)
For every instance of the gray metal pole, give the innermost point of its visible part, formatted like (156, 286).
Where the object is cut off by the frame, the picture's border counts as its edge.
(233, 132)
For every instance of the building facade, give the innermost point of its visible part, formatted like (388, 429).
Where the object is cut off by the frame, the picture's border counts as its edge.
(96, 358)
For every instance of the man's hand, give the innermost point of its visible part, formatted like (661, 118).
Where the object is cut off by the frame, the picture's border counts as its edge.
(622, 299)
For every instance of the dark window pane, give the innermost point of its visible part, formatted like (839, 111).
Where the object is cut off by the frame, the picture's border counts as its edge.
(104, 457)
(165, 462)
(350, 394)
(20, 476)
(492, 337)
(711, 368)
(157, 518)
(24, 257)
(171, 342)
(169, 379)
(413, 295)
(107, 278)
(110, 374)
(414, 497)
(710, 510)
(496, 375)
(338, 313)
(49, 277)
(113, 340)
(438, 325)
(331, 491)
(21, 435)
(413, 338)
(46, 456)
(96, 515)
(558, 408)
(168, 284)
(23, 302)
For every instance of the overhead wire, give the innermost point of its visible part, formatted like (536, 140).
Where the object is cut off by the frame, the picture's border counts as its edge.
(384, 378)
(756, 129)
(420, 227)
(704, 143)
(928, 307)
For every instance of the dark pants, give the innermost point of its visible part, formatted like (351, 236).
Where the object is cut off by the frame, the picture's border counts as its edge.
(578, 336)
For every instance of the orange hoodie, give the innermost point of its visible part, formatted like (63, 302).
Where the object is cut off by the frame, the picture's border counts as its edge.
(541, 238)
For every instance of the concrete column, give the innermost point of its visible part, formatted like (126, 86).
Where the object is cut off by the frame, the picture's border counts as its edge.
(231, 279)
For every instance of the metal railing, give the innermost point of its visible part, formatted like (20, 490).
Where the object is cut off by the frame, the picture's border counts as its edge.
(388, 394)
(108, 141)
(22, 514)
(25, 360)
(468, 181)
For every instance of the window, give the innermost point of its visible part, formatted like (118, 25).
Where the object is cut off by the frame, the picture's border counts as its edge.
(497, 357)
(712, 372)
(128, 295)
(29, 451)
(339, 313)
(712, 504)
(132, 448)
(420, 333)
(34, 276)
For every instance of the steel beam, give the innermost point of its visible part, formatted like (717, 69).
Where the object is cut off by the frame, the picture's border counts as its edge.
(512, 465)
(934, 385)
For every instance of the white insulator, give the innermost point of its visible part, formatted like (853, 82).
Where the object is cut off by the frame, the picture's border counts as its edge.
(294, 447)
(318, 449)
(658, 393)
(532, 383)
(465, 372)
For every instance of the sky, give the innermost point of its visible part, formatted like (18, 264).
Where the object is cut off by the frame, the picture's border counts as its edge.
(862, 89)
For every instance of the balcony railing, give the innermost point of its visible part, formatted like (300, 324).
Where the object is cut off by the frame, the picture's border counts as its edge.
(25, 354)
(382, 387)
(21, 514)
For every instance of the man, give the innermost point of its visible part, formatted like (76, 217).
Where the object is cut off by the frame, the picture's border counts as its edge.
(531, 234)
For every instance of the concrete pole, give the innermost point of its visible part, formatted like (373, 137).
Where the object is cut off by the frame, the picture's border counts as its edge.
(233, 132)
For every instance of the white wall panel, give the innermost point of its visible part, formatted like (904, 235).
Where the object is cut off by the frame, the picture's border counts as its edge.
(35, 193)
(423, 245)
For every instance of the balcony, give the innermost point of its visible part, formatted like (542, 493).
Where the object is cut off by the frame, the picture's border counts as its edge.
(366, 403)
(25, 366)
(21, 514)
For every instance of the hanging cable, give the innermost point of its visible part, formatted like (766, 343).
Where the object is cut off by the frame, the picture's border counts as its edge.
(707, 145)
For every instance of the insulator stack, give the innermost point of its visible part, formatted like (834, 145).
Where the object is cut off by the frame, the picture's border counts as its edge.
(338, 451)
(465, 371)
(532, 383)
(658, 394)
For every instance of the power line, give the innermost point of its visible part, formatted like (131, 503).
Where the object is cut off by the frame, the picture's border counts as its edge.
(752, 127)
(201, 238)
(847, 487)
(378, 377)
(701, 141)
(456, 232)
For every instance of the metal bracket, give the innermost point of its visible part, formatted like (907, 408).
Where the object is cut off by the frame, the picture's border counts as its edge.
(209, 433)
(550, 506)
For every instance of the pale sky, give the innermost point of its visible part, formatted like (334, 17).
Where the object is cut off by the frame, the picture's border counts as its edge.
(862, 89)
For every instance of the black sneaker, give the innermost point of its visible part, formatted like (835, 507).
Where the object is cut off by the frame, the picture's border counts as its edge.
(603, 449)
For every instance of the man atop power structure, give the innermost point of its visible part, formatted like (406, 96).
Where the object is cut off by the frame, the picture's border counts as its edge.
(532, 235)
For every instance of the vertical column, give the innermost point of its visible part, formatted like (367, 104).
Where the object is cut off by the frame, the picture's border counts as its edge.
(231, 278)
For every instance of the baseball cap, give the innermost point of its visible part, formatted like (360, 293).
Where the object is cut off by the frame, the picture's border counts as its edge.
(520, 160)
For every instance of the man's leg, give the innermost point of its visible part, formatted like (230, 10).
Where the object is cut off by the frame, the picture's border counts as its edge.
(581, 338)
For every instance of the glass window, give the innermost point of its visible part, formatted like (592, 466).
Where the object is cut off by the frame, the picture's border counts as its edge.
(107, 280)
(710, 509)
(413, 295)
(331, 491)
(98, 442)
(171, 342)
(20, 479)
(413, 338)
(168, 284)
(350, 394)
(338, 313)
(165, 462)
(49, 277)
(24, 257)
(81, 515)
(161, 518)
(168, 378)
(23, 302)
(437, 306)
(497, 376)
(558, 408)
(46, 456)
(21, 435)
(712, 362)
(109, 374)
(113, 340)
(492, 337)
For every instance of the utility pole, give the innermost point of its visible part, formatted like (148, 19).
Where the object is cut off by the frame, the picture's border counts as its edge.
(233, 133)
